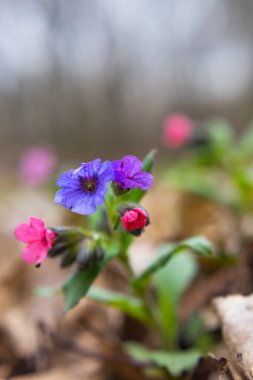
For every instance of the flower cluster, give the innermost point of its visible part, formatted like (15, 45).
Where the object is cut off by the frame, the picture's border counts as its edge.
(83, 189)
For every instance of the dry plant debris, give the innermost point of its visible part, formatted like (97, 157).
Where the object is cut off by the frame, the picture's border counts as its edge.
(236, 316)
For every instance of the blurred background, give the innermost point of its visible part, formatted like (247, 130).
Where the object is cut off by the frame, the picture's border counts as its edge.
(97, 78)
(83, 79)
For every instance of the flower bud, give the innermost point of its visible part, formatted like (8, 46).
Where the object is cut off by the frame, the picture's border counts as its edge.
(67, 239)
(90, 252)
(83, 258)
(67, 258)
(99, 253)
(134, 218)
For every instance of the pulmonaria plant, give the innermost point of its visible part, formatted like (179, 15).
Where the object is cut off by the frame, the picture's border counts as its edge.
(109, 194)
(83, 190)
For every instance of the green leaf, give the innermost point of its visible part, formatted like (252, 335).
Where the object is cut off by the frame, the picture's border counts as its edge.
(174, 362)
(78, 284)
(246, 144)
(198, 244)
(148, 162)
(170, 283)
(221, 133)
(129, 305)
(135, 195)
(46, 291)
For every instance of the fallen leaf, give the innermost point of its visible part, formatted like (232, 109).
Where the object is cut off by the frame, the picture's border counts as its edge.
(236, 316)
(211, 367)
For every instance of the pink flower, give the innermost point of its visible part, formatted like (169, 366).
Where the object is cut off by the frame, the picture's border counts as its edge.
(134, 219)
(39, 240)
(37, 164)
(177, 130)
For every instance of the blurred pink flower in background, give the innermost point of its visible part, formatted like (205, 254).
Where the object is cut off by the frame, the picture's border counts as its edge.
(177, 130)
(37, 164)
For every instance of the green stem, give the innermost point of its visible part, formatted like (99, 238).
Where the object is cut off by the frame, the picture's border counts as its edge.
(142, 295)
(93, 234)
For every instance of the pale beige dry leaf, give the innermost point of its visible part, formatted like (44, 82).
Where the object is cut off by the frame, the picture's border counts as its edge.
(177, 215)
(236, 316)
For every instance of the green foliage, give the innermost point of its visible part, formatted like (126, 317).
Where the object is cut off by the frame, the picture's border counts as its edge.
(199, 245)
(169, 277)
(174, 362)
(224, 160)
(220, 134)
(197, 180)
(79, 282)
(170, 283)
(196, 335)
(132, 306)
(245, 146)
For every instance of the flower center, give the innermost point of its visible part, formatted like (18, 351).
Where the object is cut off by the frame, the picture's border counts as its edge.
(89, 185)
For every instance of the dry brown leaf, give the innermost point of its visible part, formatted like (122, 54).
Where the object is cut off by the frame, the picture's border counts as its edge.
(178, 215)
(211, 368)
(236, 315)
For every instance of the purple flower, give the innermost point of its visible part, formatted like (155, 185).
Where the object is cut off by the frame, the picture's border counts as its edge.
(128, 174)
(84, 188)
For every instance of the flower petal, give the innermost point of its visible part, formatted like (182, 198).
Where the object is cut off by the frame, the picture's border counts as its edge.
(26, 234)
(77, 200)
(35, 253)
(90, 168)
(132, 164)
(143, 179)
(36, 223)
(67, 197)
(106, 172)
(84, 208)
(68, 179)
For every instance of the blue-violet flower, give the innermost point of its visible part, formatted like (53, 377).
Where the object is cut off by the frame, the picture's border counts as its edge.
(84, 188)
(128, 174)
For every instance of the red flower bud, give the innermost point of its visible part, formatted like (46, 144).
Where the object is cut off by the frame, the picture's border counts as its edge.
(134, 219)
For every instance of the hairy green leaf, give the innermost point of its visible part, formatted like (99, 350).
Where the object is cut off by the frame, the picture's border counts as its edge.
(170, 283)
(129, 305)
(79, 282)
(174, 362)
(198, 244)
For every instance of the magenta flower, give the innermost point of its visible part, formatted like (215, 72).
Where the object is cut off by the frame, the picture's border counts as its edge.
(39, 240)
(37, 164)
(128, 174)
(177, 130)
